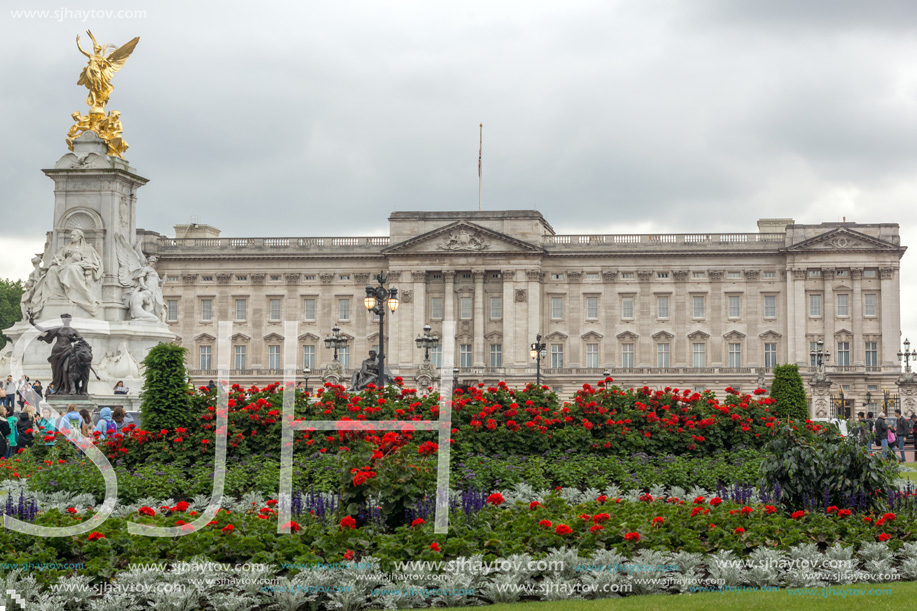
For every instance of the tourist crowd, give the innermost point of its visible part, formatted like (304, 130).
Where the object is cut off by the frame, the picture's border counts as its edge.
(26, 427)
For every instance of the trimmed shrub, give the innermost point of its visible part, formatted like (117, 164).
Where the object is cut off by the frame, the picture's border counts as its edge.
(789, 393)
(166, 399)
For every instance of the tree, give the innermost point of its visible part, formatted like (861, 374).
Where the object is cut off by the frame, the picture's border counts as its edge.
(789, 393)
(10, 312)
(166, 402)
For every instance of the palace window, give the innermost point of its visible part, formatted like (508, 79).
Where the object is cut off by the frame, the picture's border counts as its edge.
(592, 356)
(627, 356)
(206, 357)
(662, 355)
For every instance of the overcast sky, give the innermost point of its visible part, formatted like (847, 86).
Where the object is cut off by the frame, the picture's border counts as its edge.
(321, 118)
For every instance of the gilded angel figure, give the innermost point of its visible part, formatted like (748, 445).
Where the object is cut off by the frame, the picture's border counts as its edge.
(96, 76)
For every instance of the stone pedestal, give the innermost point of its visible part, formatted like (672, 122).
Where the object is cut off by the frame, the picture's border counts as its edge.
(820, 406)
(334, 373)
(425, 376)
(94, 195)
(907, 393)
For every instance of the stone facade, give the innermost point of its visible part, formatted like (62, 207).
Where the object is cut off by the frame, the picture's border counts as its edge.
(680, 310)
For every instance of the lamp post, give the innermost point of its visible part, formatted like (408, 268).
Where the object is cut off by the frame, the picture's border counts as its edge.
(455, 372)
(538, 351)
(376, 300)
(427, 341)
(305, 376)
(335, 340)
(821, 355)
(907, 355)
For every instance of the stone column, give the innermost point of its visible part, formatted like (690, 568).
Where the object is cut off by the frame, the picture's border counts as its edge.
(644, 348)
(419, 308)
(478, 349)
(535, 322)
(789, 316)
(751, 313)
(397, 323)
(574, 318)
(512, 356)
(829, 313)
(679, 314)
(856, 316)
(800, 308)
(610, 317)
(257, 304)
(891, 315)
(449, 306)
(716, 315)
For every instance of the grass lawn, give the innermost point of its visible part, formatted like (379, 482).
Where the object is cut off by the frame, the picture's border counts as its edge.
(880, 598)
(909, 471)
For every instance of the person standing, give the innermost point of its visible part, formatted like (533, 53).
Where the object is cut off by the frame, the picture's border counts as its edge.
(9, 388)
(4, 433)
(882, 433)
(902, 429)
(121, 418)
(46, 425)
(106, 427)
(87, 422)
(871, 424)
(25, 429)
(12, 438)
(859, 430)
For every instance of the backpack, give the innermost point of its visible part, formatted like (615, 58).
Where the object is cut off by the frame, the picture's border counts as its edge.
(111, 429)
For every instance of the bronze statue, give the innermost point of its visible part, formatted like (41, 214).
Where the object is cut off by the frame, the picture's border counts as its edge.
(71, 357)
(368, 374)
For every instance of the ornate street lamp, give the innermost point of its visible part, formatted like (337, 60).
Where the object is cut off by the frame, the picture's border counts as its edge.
(538, 351)
(377, 299)
(455, 372)
(427, 341)
(907, 355)
(821, 355)
(335, 340)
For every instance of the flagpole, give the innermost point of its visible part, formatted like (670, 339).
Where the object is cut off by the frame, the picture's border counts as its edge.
(480, 178)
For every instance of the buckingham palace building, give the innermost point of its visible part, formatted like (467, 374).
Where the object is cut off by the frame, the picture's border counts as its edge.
(701, 311)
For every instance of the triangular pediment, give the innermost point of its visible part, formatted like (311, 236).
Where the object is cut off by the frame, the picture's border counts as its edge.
(662, 335)
(699, 335)
(734, 335)
(204, 337)
(240, 337)
(592, 335)
(770, 334)
(462, 238)
(627, 336)
(273, 337)
(308, 337)
(843, 239)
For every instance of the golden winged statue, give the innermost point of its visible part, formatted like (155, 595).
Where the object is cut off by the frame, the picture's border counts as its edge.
(104, 61)
(97, 75)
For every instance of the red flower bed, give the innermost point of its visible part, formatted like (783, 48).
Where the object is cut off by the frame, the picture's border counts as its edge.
(603, 420)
